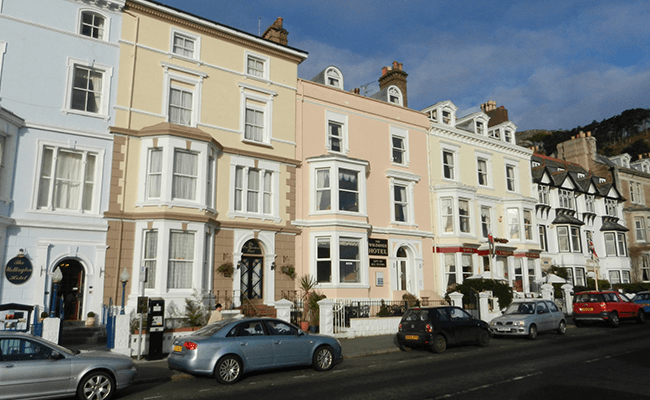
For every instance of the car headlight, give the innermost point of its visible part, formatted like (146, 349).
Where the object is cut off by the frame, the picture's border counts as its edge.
(518, 323)
(493, 322)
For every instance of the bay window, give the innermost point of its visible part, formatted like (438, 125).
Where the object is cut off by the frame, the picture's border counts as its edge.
(486, 226)
(568, 239)
(566, 199)
(450, 269)
(337, 185)
(185, 175)
(463, 215)
(255, 188)
(323, 260)
(528, 225)
(615, 244)
(513, 223)
(348, 190)
(149, 254)
(337, 259)
(447, 214)
(181, 260)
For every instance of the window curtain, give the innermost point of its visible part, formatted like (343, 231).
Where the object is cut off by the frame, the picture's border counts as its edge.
(447, 215)
(323, 192)
(267, 192)
(450, 269)
(468, 267)
(348, 190)
(155, 173)
(67, 186)
(610, 244)
(254, 125)
(46, 178)
(463, 215)
(181, 253)
(400, 203)
(180, 107)
(513, 219)
(89, 183)
(150, 254)
(185, 175)
(239, 187)
(252, 196)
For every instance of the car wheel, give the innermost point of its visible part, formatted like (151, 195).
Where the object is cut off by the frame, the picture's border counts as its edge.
(97, 385)
(438, 344)
(323, 359)
(484, 338)
(613, 320)
(532, 332)
(228, 370)
(561, 329)
(640, 318)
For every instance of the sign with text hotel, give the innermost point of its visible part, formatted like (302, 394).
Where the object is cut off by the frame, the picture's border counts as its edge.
(378, 247)
(18, 270)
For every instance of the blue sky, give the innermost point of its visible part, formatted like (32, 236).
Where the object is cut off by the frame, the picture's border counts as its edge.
(552, 64)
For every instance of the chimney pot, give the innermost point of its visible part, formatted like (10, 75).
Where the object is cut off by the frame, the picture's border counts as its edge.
(400, 66)
(384, 70)
(395, 65)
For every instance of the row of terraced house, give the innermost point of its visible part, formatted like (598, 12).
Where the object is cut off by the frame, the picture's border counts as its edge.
(138, 137)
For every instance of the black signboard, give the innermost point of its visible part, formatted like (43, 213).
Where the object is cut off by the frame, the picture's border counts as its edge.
(143, 305)
(377, 247)
(18, 270)
(378, 262)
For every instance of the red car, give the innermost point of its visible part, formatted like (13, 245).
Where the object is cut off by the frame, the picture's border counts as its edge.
(609, 306)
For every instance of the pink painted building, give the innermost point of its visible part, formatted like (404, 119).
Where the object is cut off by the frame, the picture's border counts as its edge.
(362, 202)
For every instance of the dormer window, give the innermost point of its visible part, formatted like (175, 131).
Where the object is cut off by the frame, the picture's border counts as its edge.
(560, 169)
(507, 135)
(566, 199)
(446, 117)
(434, 115)
(334, 78)
(535, 164)
(495, 134)
(581, 175)
(394, 95)
(602, 180)
(480, 127)
(92, 25)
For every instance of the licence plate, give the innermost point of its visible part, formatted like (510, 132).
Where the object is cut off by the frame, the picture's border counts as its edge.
(586, 309)
(412, 337)
(178, 348)
(503, 329)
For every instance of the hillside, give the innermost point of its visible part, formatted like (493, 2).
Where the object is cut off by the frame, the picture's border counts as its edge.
(627, 132)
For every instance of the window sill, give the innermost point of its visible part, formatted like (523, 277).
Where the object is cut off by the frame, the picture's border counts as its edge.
(66, 212)
(172, 204)
(188, 59)
(247, 216)
(258, 79)
(342, 286)
(256, 143)
(105, 117)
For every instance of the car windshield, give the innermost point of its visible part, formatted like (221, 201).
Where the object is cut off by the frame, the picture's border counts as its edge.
(521, 308)
(588, 298)
(211, 329)
(642, 296)
(415, 315)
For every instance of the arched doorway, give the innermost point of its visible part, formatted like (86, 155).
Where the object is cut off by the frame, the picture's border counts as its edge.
(252, 267)
(402, 269)
(71, 289)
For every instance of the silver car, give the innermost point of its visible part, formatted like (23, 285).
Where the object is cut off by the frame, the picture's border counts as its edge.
(34, 368)
(228, 349)
(527, 317)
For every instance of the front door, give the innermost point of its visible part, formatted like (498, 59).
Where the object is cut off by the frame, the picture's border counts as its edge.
(402, 265)
(252, 267)
(71, 289)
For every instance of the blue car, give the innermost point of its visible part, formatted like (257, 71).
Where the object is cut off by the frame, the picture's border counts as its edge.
(230, 348)
(643, 299)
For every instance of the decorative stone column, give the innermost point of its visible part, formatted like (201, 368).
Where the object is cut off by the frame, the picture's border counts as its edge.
(456, 299)
(547, 291)
(326, 307)
(122, 335)
(483, 306)
(283, 308)
(51, 327)
(567, 288)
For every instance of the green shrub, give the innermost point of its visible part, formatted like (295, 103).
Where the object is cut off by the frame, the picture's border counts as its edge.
(499, 289)
(314, 308)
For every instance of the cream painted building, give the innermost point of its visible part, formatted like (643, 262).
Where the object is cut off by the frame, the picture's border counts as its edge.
(203, 181)
(363, 209)
(481, 186)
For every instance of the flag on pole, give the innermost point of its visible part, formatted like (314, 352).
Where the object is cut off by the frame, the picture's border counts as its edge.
(491, 243)
(592, 250)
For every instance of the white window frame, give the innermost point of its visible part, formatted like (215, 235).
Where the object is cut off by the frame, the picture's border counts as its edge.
(636, 193)
(262, 166)
(251, 97)
(97, 179)
(590, 203)
(543, 237)
(528, 227)
(566, 198)
(168, 145)
(515, 174)
(196, 56)
(508, 136)
(335, 238)
(107, 75)
(402, 134)
(445, 216)
(407, 181)
(397, 93)
(611, 207)
(192, 108)
(488, 170)
(340, 119)
(543, 193)
(334, 163)
(339, 84)
(511, 225)
(455, 171)
(639, 229)
(467, 219)
(195, 81)
(107, 23)
(489, 222)
(264, 60)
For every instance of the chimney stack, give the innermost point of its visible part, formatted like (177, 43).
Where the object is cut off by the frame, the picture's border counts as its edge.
(496, 115)
(394, 75)
(276, 33)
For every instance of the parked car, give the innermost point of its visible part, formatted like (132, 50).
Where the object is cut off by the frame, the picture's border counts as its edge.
(228, 349)
(32, 367)
(435, 327)
(608, 306)
(643, 299)
(527, 317)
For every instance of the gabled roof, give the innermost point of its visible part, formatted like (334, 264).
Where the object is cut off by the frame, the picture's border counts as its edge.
(445, 103)
(565, 173)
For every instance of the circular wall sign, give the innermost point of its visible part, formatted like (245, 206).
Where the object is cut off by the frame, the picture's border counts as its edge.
(18, 270)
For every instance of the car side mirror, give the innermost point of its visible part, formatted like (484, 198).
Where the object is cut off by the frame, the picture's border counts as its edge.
(300, 333)
(56, 355)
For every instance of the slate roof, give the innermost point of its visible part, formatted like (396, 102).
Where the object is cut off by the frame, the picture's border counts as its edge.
(560, 170)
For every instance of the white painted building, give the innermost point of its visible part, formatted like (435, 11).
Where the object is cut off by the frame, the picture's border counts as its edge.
(58, 73)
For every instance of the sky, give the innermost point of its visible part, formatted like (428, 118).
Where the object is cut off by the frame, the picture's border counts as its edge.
(553, 64)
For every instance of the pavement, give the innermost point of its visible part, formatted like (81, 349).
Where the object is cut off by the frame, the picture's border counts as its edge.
(150, 371)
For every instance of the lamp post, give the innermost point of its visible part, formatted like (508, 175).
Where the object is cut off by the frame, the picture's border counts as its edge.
(57, 276)
(124, 278)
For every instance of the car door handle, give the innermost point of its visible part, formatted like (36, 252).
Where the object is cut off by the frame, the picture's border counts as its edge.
(10, 365)
(243, 344)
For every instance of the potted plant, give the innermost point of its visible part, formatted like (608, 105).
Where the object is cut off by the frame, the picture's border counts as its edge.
(226, 269)
(90, 321)
(288, 270)
(307, 285)
(314, 310)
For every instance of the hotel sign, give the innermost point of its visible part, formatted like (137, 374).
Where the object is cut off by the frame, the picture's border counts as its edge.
(18, 270)
(378, 247)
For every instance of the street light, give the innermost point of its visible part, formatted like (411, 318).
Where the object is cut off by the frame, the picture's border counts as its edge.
(124, 278)
(57, 276)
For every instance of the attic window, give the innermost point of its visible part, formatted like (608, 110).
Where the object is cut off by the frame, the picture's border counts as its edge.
(446, 117)
(536, 164)
(480, 128)
(433, 115)
(602, 180)
(507, 135)
(394, 95)
(333, 78)
(581, 175)
(559, 169)
(494, 133)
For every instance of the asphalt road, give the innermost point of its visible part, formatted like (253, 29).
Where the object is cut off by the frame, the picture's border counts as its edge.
(587, 363)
